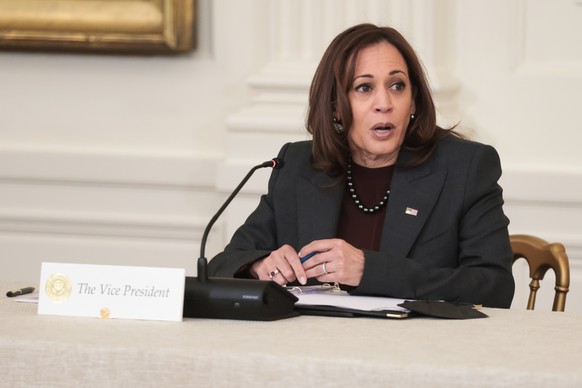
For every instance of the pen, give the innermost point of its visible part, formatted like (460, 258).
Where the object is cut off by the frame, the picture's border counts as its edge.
(21, 291)
(309, 256)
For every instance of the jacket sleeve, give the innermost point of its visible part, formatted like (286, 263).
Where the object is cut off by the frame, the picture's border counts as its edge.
(481, 271)
(255, 239)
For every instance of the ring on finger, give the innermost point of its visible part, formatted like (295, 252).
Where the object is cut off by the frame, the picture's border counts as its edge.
(324, 269)
(274, 273)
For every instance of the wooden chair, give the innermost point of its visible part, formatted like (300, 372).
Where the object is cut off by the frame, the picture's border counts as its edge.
(541, 256)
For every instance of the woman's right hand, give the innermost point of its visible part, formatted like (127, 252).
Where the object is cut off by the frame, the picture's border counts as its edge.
(282, 266)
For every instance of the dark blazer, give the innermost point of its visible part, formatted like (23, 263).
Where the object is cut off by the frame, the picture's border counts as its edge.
(455, 248)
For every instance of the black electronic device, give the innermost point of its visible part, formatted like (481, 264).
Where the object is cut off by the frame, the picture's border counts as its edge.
(230, 298)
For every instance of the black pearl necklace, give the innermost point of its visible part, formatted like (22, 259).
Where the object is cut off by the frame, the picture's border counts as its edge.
(356, 199)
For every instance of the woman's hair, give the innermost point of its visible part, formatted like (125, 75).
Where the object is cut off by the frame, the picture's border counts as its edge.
(328, 97)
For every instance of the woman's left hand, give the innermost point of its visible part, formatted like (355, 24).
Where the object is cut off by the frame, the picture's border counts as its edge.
(336, 261)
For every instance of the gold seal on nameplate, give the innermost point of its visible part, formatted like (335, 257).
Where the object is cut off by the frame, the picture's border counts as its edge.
(105, 313)
(58, 287)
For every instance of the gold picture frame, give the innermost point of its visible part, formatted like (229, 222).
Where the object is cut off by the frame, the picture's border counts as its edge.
(141, 26)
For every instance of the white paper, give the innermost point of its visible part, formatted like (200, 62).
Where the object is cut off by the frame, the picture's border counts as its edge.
(26, 299)
(327, 297)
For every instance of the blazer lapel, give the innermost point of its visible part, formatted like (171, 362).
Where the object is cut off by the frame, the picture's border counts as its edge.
(415, 193)
(319, 202)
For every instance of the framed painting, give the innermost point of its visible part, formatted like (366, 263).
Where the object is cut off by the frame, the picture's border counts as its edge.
(141, 26)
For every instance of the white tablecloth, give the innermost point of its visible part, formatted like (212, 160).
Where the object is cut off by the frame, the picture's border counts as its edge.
(508, 349)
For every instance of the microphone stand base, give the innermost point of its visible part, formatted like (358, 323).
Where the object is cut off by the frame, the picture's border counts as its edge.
(243, 299)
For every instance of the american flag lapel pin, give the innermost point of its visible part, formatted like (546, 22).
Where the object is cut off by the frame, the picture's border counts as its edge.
(411, 212)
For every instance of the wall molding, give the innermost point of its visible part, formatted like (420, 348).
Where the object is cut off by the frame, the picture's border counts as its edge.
(518, 39)
(99, 224)
(206, 174)
(523, 184)
(201, 173)
(38, 170)
(107, 167)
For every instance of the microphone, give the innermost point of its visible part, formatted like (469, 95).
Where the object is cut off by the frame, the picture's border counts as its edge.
(230, 298)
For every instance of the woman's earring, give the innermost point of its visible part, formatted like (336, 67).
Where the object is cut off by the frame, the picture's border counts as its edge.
(339, 127)
(412, 116)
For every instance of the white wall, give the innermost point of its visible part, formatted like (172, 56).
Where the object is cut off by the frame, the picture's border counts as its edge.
(520, 66)
(123, 159)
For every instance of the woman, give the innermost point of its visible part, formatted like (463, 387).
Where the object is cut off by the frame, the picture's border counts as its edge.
(387, 202)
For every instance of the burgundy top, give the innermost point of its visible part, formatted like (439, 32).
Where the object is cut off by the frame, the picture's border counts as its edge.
(364, 230)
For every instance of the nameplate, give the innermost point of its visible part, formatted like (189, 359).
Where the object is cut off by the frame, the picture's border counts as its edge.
(108, 291)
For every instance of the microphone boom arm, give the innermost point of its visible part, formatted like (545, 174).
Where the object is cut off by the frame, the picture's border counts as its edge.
(202, 261)
(230, 298)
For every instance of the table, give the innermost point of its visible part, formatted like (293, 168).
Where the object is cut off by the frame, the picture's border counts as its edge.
(511, 348)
